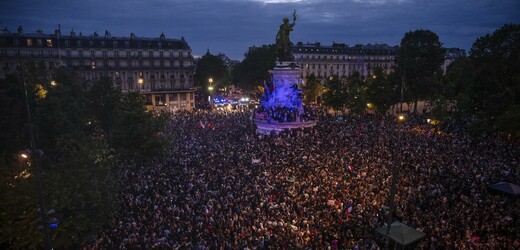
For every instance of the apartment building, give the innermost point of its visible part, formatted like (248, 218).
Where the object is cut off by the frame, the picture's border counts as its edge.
(160, 68)
(342, 60)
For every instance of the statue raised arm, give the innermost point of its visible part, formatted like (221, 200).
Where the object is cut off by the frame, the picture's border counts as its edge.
(283, 42)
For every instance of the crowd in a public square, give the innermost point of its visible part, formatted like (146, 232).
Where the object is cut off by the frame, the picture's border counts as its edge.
(224, 187)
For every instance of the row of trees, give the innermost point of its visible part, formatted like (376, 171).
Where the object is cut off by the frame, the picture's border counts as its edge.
(88, 135)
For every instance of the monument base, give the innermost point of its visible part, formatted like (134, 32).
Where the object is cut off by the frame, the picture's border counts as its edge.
(265, 127)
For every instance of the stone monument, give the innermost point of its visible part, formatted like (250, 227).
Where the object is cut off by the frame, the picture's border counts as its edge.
(281, 107)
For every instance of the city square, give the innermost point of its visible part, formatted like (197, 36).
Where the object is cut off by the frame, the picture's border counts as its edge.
(154, 142)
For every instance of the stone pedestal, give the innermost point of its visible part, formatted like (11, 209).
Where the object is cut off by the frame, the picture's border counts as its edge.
(282, 93)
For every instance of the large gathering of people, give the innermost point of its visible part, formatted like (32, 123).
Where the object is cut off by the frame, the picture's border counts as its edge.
(224, 187)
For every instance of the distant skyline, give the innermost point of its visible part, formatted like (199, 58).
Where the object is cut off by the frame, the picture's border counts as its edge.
(232, 26)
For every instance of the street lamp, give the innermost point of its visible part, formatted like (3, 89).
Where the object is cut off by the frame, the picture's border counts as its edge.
(35, 154)
(140, 82)
(393, 189)
(210, 89)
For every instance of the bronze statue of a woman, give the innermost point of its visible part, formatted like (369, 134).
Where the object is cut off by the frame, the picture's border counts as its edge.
(283, 43)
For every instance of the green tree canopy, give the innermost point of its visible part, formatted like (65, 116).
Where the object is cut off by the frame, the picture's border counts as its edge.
(312, 89)
(336, 93)
(382, 90)
(85, 136)
(211, 66)
(487, 84)
(356, 93)
(254, 69)
(419, 59)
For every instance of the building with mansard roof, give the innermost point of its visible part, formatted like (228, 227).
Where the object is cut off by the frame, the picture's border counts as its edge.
(342, 60)
(160, 68)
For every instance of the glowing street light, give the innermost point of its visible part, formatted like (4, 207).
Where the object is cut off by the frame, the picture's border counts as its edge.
(210, 89)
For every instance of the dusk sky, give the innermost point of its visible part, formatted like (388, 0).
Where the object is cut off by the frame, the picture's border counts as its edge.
(232, 26)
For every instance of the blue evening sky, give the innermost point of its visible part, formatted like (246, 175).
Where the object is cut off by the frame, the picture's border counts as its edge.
(232, 26)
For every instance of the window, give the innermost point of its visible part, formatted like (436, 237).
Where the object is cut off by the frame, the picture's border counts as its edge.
(103, 44)
(114, 44)
(93, 64)
(127, 44)
(92, 53)
(29, 42)
(159, 100)
(67, 43)
(79, 43)
(91, 43)
(16, 41)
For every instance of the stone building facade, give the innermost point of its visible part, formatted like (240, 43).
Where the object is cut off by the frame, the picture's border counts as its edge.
(160, 68)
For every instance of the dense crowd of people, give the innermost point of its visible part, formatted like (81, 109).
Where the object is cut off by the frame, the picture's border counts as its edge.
(226, 188)
(284, 114)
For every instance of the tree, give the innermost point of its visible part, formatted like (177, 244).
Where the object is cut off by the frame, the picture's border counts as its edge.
(495, 85)
(254, 69)
(356, 98)
(486, 85)
(137, 133)
(79, 183)
(382, 90)
(418, 60)
(103, 100)
(85, 137)
(312, 89)
(211, 66)
(13, 123)
(335, 95)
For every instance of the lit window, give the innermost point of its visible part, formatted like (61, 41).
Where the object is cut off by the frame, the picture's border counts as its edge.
(29, 42)
(49, 42)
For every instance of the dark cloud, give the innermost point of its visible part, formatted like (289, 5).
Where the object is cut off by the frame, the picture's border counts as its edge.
(231, 26)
